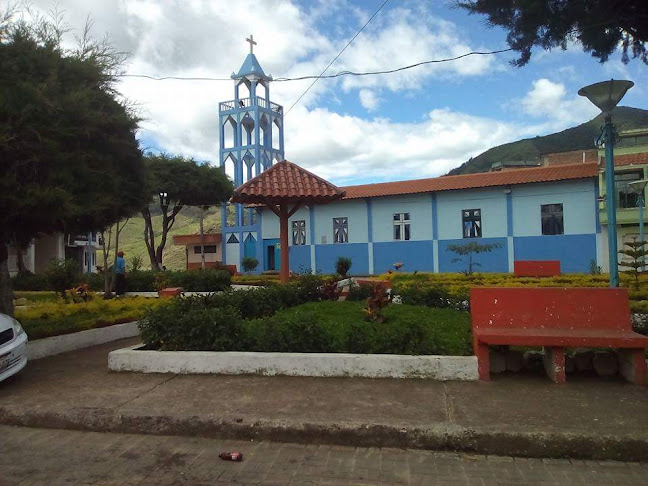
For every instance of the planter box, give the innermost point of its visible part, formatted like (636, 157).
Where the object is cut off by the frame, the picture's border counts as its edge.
(294, 364)
(41, 348)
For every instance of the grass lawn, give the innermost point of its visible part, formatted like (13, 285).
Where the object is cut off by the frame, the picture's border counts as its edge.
(35, 296)
(53, 318)
(339, 327)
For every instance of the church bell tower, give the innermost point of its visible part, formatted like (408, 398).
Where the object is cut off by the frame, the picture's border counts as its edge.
(251, 141)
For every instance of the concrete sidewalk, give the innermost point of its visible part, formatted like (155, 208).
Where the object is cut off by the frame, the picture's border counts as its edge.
(512, 415)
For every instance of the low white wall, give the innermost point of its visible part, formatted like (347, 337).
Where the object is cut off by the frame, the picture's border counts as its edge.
(41, 348)
(295, 364)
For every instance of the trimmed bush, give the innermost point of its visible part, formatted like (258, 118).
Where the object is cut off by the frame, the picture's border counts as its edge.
(250, 263)
(63, 275)
(360, 292)
(29, 281)
(342, 266)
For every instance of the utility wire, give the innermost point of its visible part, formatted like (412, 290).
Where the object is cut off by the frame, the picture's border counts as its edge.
(329, 76)
(352, 73)
(335, 58)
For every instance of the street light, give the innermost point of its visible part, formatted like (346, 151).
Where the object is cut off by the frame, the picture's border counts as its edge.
(639, 187)
(164, 198)
(606, 95)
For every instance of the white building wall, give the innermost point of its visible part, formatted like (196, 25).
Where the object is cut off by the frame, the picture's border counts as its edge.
(419, 206)
(491, 202)
(577, 198)
(355, 210)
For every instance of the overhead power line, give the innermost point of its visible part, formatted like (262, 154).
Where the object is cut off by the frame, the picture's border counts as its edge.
(338, 55)
(329, 76)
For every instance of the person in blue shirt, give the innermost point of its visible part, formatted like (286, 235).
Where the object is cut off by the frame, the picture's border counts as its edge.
(120, 274)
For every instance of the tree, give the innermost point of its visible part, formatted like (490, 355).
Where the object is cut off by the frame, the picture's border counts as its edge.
(600, 26)
(175, 182)
(70, 160)
(634, 265)
(468, 250)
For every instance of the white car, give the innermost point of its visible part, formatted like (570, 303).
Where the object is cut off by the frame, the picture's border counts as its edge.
(13, 347)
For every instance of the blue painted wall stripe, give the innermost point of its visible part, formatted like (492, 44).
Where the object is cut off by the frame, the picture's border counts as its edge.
(435, 229)
(369, 222)
(509, 213)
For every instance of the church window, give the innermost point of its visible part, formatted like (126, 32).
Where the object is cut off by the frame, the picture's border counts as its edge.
(402, 226)
(233, 239)
(472, 223)
(552, 219)
(341, 230)
(299, 232)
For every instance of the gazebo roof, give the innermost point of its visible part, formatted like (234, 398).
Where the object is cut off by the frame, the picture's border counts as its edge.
(286, 182)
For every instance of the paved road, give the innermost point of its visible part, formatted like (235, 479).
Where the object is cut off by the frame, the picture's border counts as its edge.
(31, 456)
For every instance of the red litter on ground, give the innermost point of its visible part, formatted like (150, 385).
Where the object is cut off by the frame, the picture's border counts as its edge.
(231, 456)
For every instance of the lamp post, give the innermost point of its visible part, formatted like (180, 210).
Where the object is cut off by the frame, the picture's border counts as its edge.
(639, 187)
(606, 95)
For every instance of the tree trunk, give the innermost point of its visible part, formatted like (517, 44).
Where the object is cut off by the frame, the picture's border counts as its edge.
(149, 239)
(6, 293)
(19, 260)
(106, 255)
(202, 238)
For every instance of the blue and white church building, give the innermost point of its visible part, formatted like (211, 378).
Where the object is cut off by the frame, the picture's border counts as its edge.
(543, 213)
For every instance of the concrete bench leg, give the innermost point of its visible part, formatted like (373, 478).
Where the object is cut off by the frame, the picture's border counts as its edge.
(483, 360)
(633, 365)
(554, 363)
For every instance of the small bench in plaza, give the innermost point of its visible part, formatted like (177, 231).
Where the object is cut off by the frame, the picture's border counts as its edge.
(536, 268)
(556, 318)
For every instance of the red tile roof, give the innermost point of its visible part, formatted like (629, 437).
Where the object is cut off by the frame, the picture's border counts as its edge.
(286, 182)
(195, 239)
(473, 181)
(628, 159)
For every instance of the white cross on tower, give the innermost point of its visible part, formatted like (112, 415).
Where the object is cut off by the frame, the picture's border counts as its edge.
(251, 41)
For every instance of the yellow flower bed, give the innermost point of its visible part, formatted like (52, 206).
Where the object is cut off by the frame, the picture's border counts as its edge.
(458, 285)
(46, 319)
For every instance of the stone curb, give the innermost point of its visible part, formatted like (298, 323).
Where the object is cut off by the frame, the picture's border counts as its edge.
(41, 348)
(443, 368)
(450, 437)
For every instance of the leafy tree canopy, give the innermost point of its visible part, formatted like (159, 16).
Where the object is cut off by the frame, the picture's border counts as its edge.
(69, 159)
(600, 26)
(69, 155)
(184, 183)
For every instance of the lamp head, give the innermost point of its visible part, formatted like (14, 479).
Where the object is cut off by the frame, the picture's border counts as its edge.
(639, 186)
(606, 94)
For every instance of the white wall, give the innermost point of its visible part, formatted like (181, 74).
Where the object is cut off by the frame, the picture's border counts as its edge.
(578, 202)
(270, 224)
(233, 254)
(355, 210)
(491, 202)
(418, 205)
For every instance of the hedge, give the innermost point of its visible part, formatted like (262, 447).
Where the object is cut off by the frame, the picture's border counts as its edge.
(209, 280)
(313, 327)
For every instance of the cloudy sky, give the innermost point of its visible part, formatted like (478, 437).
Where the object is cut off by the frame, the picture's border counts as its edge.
(416, 123)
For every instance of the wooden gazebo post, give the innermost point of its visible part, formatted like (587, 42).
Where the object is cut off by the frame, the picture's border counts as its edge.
(284, 185)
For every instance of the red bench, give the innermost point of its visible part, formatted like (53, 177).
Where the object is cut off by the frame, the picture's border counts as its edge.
(536, 268)
(170, 292)
(556, 318)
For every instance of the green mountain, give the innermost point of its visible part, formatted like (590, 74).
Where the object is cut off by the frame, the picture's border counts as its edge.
(577, 138)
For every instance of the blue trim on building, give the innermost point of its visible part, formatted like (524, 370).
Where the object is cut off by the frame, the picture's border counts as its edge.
(369, 221)
(299, 257)
(326, 257)
(493, 261)
(415, 255)
(311, 214)
(574, 251)
(435, 221)
(509, 213)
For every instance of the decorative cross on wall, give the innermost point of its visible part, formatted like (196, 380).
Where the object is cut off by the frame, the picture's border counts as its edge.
(252, 43)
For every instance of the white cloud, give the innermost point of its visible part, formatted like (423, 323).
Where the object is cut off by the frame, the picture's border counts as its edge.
(202, 38)
(547, 99)
(368, 99)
